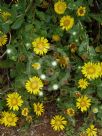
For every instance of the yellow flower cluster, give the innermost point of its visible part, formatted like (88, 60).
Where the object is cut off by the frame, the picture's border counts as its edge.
(67, 21)
(92, 70)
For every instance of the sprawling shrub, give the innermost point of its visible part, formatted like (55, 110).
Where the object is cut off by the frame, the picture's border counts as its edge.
(50, 51)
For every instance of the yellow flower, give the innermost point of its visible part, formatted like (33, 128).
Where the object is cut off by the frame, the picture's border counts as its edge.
(14, 101)
(34, 85)
(41, 45)
(36, 66)
(29, 119)
(3, 39)
(91, 131)
(60, 7)
(83, 84)
(63, 61)
(99, 68)
(38, 108)
(58, 122)
(90, 71)
(81, 11)
(83, 103)
(56, 38)
(73, 47)
(25, 112)
(67, 22)
(8, 119)
(5, 15)
(70, 112)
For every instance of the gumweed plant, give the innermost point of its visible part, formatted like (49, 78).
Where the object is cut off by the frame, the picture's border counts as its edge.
(51, 51)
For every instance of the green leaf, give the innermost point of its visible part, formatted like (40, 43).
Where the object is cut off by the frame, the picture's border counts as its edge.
(17, 24)
(97, 17)
(6, 64)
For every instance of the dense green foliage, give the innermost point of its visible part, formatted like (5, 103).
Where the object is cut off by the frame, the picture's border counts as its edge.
(61, 66)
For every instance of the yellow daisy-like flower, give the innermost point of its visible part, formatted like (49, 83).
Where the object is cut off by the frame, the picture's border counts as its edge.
(70, 112)
(83, 84)
(36, 66)
(56, 38)
(5, 15)
(83, 103)
(14, 101)
(63, 61)
(67, 22)
(81, 11)
(60, 7)
(90, 71)
(29, 119)
(38, 108)
(25, 112)
(3, 39)
(34, 85)
(91, 131)
(99, 68)
(8, 119)
(58, 122)
(41, 45)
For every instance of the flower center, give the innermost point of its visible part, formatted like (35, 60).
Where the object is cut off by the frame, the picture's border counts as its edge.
(25, 112)
(14, 101)
(81, 11)
(83, 103)
(9, 119)
(60, 7)
(58, 122)
(71, 112)
(91, 70)
(38, 108)
(34, 85)
(66, 22)
(82, 83)
(40, 45)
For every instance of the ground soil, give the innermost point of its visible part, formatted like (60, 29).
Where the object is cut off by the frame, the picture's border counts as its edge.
(41, 129)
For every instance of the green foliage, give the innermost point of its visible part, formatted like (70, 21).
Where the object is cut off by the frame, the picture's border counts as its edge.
(61, 65)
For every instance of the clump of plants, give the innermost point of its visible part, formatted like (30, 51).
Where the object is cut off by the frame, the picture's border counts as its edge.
(50, 50)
